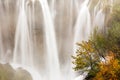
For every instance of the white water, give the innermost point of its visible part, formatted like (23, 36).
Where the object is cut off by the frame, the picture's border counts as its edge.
(51, 45)
(99, 16)
(83, 25)
(59, 22)
(22, 38)
(100, 23)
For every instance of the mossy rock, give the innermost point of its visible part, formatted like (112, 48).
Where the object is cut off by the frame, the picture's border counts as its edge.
(8, 73)
(22, 75)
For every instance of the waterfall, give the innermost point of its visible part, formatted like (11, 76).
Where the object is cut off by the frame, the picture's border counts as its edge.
(51, 45)
(98, 14)
(45, 33)
(83, 25)
(23, 53)
(22, 38)
(100, 23)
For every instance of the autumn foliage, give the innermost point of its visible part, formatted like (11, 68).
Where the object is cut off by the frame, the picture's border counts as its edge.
(110, 69)
(100, 55)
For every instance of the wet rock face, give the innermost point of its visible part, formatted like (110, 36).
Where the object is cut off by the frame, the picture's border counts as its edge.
(8, 73)
(22, 75)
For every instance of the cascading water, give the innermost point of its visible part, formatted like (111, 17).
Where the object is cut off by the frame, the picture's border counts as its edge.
(82, 28)
(98, 22)
(51, 45)
(61, 19)
(23, 53)
(98, 13)
(83, 25)
(22, 38)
